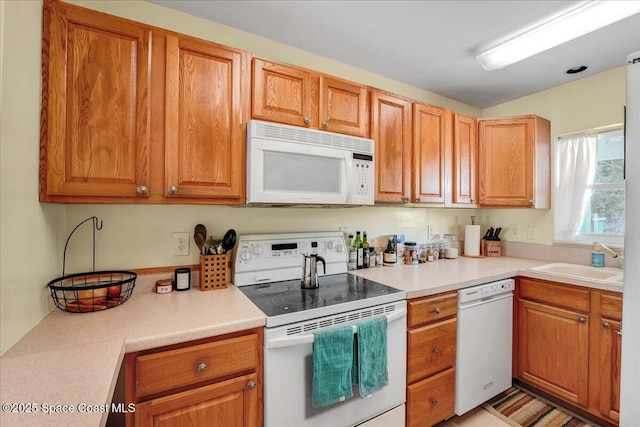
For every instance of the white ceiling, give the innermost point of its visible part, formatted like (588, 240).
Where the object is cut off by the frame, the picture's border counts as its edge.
(428, 44)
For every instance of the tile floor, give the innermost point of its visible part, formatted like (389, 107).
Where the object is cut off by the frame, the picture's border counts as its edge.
(478, 417)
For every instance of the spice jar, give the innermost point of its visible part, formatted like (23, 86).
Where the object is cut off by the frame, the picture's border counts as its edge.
(410, 253)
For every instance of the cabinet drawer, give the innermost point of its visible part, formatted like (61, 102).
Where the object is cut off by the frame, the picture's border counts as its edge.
(611, 307)
(431, 349)
(555, 295)
(432, 309)
(170, 369)
(432, 400)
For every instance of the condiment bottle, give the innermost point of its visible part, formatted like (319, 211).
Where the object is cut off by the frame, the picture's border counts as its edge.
(389, 256)
(358, 244)
(366, 259)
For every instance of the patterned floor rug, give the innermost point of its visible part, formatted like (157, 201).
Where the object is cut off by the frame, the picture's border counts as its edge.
(518, 407)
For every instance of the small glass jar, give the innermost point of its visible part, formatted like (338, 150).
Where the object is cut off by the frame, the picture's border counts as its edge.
(422, 253)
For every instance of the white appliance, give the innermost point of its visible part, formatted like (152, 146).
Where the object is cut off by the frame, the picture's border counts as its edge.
(267, 270)
(484, 339)
(294, 165)
(630, 376)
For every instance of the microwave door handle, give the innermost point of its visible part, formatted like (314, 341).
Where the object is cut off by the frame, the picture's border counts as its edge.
(291, 341)
(348, 164)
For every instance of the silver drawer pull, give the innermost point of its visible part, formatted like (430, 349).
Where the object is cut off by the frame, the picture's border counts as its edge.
(202, 366)
(606, 325)
(582, 320)
(437, 310)
(434, 403)
(251, 385)
(436, 350)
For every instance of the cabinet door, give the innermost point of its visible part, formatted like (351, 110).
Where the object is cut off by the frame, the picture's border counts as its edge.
(283, 94)
(431, 134)
(205, 150)
(609, 367)
(462, 155)
(431, 400)
(344, 107)
(95, 106)
(553, 347)
(391, 131)
(232, 403)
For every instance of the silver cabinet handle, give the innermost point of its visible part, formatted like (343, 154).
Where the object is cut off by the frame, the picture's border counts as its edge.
(307, 120)
(325, 124)
(473, 201)
(405, 199)
(142, 190)
(202, 366)
(532, 202)
(417, 199)
(437, 310)
(436, 350)
(434, 403)
(582, 320)
(172, 189)
(606, 325)
(251, 385)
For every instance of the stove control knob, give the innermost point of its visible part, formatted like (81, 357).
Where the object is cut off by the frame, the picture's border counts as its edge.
(330, 244)
(339, 248)
(245, 255)
(258, 250)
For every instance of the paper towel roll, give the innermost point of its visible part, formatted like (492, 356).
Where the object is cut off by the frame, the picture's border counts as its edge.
(472, 240)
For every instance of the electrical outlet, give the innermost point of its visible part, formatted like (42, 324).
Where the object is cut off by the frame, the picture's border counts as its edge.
(180, 246)
(429, 232)
(531, 232)
(513, 231)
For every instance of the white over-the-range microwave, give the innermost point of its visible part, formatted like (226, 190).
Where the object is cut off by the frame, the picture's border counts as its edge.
(293, 165)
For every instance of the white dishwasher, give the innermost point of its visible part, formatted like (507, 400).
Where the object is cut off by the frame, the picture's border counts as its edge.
(484, 339)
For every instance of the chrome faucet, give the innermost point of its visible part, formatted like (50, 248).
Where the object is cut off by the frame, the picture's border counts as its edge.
(616, 255)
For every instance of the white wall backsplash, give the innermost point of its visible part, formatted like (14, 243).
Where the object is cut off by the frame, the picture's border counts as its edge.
(573, 254)
(140, 236)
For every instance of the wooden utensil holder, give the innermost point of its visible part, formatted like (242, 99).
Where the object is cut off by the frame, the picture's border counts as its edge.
(491, 248)
(214, 272)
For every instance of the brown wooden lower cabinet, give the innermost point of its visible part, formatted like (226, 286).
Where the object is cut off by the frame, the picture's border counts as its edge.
(431, 400)
(431, 359)
(229, 403)
(215, 381)
(568, 341)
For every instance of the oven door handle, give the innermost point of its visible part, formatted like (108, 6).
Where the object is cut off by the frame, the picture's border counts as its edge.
(308, 338)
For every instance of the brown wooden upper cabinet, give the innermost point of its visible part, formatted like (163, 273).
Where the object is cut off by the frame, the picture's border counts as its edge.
(136, 114)
(431, 134)
(301, 97)
(391, 131)
(205, 120)
(462, 163)
(95, 126)
(514, 162)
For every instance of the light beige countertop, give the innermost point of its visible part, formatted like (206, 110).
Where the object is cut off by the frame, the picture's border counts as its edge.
(74, 358)
(448, 274)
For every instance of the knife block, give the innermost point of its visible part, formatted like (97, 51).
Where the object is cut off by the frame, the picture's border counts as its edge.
(214, 272)
(491, 248)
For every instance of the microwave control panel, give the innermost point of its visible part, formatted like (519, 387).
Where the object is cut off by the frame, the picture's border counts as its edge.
(363, 170)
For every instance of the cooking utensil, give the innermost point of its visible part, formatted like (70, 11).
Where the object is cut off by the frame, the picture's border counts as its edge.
(202, 230)
(229, 240)
(489, 234)
(199, 238)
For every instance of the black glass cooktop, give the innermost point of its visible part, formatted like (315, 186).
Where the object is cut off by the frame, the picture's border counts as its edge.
(280, 298)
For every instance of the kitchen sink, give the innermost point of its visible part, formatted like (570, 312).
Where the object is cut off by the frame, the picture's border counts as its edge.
(606, 274)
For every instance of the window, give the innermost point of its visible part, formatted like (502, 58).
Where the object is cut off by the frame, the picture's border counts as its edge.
(589, 187)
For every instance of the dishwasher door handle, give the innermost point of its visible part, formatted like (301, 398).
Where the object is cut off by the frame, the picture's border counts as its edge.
(476, 303)
(308, 338)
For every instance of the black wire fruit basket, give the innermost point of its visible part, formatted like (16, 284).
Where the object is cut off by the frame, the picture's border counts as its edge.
(91, 291)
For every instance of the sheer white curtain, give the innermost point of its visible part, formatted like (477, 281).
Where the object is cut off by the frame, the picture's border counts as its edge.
(575, 174)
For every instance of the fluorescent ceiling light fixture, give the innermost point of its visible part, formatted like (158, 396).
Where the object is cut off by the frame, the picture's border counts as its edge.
(567, 26)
